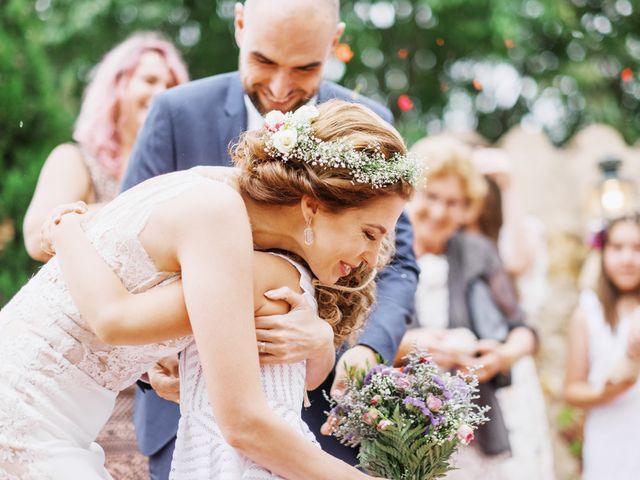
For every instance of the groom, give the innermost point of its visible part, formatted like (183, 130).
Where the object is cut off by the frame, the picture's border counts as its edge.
(284, 45)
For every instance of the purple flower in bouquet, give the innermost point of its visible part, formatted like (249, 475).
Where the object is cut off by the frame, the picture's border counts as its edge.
(417, 404)
(398, 415)
(377, 370)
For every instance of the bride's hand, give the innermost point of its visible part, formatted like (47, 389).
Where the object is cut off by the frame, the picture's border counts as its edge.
(54, 219)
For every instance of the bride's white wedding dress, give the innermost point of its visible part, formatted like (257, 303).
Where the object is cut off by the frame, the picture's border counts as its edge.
(201, 452)
(58, 381)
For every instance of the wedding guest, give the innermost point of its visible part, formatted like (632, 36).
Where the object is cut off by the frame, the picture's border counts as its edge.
(500, 218)
(280, 67)
(519, 236)
(603, 357)
(115, 105)
(467, 313)
(116, 102)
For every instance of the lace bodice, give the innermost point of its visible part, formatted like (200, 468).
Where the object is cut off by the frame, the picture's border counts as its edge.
(46, 307)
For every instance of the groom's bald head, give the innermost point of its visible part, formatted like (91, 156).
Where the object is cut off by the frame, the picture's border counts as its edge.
(284, 45)
(312, 7)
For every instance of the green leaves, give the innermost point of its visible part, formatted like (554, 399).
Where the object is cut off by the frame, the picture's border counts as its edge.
(404, 453)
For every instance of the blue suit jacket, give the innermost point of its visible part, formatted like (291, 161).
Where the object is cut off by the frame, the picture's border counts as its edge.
(194, 124)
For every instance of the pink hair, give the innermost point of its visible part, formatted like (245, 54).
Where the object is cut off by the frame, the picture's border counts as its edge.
(96, 126)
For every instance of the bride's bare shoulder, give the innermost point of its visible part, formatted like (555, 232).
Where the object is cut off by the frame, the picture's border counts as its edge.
(228, 175)
(209, 201)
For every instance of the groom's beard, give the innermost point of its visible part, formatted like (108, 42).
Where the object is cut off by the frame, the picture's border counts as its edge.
(253, 96)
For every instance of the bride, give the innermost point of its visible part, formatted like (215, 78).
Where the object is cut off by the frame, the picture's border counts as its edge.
(324, 184)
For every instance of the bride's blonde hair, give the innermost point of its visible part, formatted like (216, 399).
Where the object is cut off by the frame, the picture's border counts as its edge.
(275, 182)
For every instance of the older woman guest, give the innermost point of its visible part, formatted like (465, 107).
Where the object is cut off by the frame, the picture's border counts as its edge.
(467, 313)
(114, 108)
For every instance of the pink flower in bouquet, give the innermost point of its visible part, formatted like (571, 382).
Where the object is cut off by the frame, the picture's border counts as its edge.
(375, 401)
(465, 434)
(403, 383)
(370, 416)
(384, 424)
(434, 403)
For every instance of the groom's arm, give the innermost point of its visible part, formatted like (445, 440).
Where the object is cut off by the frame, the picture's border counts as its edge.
(154, 150)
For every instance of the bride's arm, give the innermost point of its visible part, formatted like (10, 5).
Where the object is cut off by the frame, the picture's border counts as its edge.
(120, 317)
(115, 315)
(216, 267)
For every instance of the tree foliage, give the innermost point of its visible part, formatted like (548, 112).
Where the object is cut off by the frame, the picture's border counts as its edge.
(481, 64)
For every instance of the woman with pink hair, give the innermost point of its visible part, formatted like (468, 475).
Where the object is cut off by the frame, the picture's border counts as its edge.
(114, 108)
(115, 105)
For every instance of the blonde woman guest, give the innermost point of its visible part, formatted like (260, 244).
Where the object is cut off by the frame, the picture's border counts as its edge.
(467, 313)
(114, 108)
(603, 357)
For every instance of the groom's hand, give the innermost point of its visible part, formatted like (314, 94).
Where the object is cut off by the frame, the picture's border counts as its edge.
(296, 336)
(359, 357)
(164, 377)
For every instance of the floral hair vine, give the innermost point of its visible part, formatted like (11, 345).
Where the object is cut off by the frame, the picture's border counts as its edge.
(290, 135)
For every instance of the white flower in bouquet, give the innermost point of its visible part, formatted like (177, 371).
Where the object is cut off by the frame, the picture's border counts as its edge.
(408, 421)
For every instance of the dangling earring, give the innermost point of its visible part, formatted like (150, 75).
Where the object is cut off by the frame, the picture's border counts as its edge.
(308, 234)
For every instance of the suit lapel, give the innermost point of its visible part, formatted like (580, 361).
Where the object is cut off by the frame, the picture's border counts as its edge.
(324, 92)
(234, 122)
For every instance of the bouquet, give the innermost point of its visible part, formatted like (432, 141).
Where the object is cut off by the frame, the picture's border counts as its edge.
(408, 421)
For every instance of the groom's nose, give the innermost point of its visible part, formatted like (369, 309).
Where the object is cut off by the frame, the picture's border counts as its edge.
(279, 85)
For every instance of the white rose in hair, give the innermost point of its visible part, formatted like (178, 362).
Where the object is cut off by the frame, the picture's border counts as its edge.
(305, 114)
(284, 140)
(274, 119)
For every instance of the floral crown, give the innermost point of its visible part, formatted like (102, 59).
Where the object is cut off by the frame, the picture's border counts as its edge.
(290, 135)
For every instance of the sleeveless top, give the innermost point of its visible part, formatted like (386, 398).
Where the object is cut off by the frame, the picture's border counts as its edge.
(104, 186)
(201, 452)
(610, 448)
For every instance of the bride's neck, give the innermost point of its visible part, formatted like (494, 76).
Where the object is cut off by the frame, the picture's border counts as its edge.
(275, 226)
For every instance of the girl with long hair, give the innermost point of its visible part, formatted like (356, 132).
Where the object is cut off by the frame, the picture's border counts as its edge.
(603, 340)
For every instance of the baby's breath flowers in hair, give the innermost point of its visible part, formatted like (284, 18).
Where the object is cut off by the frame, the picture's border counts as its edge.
(291, 136)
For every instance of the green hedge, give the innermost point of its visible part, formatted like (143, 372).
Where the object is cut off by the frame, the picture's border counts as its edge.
(32, 120)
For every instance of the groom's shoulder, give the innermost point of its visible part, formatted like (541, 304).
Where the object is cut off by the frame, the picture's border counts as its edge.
(202, 91)
(331, 90)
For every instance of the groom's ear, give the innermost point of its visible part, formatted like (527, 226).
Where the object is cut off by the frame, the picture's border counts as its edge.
(338, 35)
(238, 22)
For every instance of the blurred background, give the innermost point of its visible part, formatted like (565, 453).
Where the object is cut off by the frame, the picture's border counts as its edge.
(555, 83)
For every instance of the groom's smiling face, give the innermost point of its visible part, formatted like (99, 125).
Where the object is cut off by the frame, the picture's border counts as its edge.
(284, 45)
